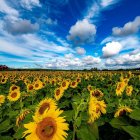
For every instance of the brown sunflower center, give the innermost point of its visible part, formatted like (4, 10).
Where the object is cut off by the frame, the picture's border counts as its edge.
(31, 87)
(73, 83)
(123, 112)
(46, 129)
(57, 92)
(96, 93)
(14, 87)
(36, 85)
(14, 94)
(64, 84)
(78, 80)
(44, 107)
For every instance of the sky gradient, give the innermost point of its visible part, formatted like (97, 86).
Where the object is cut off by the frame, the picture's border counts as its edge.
(70, 34)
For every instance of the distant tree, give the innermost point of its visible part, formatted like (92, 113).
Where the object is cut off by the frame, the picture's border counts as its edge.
(3, 67)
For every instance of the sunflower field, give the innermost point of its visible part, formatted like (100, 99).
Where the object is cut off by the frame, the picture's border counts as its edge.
(69, 105)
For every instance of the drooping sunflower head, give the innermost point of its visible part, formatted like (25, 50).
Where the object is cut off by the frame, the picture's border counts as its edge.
(58, 93)
(95, 109)
(122, 110)
(50, 126)
(14, 95)
(46, 104)
(22, 116)
(2, 99)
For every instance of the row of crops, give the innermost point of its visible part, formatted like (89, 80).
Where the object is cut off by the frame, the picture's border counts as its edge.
(59, 105)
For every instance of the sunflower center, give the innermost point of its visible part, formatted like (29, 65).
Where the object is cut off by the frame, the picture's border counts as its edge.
(36, 85)
(64, 84)
(57, 92)
(46, 129)
(123, 112)
(30, 87)
(44, 107)
(73, 83)
(14, 94)
(96, 93)
(14, 87)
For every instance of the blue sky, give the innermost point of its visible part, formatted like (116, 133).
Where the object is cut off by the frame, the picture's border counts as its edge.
(70, 34)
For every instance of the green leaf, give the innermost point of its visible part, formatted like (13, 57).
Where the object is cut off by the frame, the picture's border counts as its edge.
(94, 129)
(5, 125)
(6, 138)
(85, 134)
(19, 133)
(118, 123)
(84, 116)
(78, 121)
(135, 114)
(134, 131)
(68, 114)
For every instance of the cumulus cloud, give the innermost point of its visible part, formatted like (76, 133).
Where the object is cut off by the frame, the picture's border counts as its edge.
(29, 4)
(20, 27)
(111, 49)
(90, 60)
(124, 60)
(82, 32)
(80, 51)
(128, 29)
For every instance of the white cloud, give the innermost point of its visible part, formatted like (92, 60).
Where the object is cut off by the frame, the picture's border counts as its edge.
(80, 50)
(29, 4)
(111, 49)
(20, 26)
(82, 32)
(105, 3)
(129, 42)
(90, 60)
(96, 7)
(5, 8)
(126, 60)
(128, 29)
(69, 56)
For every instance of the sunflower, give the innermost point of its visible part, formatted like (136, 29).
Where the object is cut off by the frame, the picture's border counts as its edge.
(45, 104)
(58, 93)
(65, 84)
(129, 90)
(14, 87)
(50, 126)
(2, 99)
(122, 110)
(74, 84)
(14, 95)
(89, 87)
(3, 81)
(30, 87)
(96, 93)
(120, 88)
(95, 109)
(38, 85)
(21, 116)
